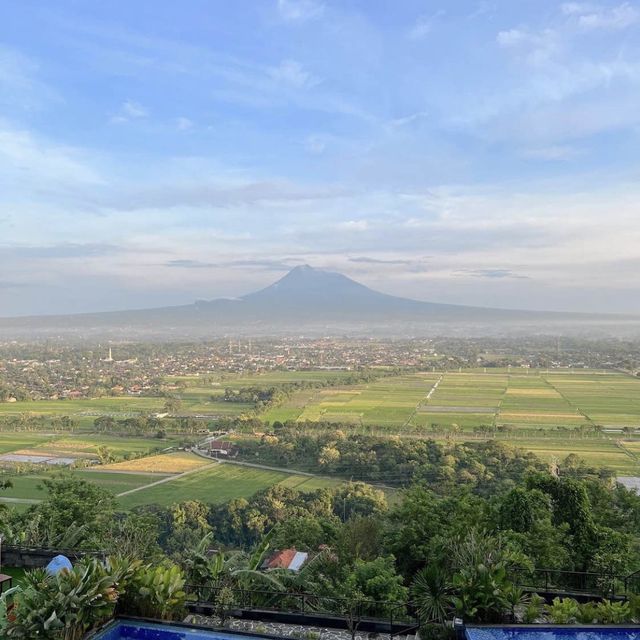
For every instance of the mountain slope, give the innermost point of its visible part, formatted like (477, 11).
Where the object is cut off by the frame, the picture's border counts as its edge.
(305, 300)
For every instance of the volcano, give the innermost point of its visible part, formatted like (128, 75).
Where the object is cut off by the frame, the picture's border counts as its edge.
(307, 301)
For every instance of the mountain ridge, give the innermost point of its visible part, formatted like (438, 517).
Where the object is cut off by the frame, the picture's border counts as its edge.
(304, 299)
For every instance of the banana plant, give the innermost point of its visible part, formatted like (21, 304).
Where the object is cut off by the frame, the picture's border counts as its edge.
(62, 606)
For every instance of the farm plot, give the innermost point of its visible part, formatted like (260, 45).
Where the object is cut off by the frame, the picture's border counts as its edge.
(597, 452)
(520, 399)
(217, 484)
(10, 441)
(207, 398)
(530, 401)
(608, 399)
(67, 449)
(167, 464)
(28, 489)
(116, 406)
(389, 402)
(633, 446)
(464, 399)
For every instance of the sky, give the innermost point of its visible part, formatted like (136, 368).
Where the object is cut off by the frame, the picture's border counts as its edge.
(481, 152)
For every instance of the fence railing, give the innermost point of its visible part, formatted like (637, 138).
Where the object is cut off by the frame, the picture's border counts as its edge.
(352, 610)
(579, 582)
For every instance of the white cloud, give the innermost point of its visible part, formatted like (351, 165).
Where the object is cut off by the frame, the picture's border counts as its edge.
(353, 225)
(619, 17)
(183, 124)
(316, 144)
(483, 7)
(424, 25)
(28, 160)
(536, 47)
(292, 73)
(511, 37)
(129, 110)
(554, 152)
(577, 8)
(300, 10)
(20, 83)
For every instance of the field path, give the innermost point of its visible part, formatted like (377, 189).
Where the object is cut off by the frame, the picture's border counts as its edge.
(256, 466)
(20, 500)
(432, 390)
(291, 472)
(97, 469)
(166, 479)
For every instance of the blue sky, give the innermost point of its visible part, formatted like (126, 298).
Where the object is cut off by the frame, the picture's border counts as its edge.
(480, 152)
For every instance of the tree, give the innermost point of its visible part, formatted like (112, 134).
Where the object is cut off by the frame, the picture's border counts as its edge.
(358, 499)
(305, 532)
(73, 505)
(520, 509)
(172, 404)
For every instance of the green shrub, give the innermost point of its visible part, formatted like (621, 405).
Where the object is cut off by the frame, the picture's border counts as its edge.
(563, 611)
(534, 609)
(613, 612)
(634, 606)
(588, 613)
(156, 592)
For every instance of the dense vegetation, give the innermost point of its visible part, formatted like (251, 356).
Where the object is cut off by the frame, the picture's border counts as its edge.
(472, 524)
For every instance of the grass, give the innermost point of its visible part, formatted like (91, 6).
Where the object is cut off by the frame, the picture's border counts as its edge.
(16, 573)
(29, 486)
(220, 483)
(597, 452)
(13, 441)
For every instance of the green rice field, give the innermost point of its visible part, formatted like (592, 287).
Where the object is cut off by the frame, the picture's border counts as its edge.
(28, 487)
(520, 399)
(220, 483)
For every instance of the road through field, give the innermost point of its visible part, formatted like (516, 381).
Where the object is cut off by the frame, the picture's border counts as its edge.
(166, 479)
(20, 500)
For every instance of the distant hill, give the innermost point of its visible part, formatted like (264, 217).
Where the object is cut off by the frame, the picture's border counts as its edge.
(311, 301)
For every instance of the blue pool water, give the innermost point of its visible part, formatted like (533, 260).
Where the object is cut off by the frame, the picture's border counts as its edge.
(553, 633)
(125, 630)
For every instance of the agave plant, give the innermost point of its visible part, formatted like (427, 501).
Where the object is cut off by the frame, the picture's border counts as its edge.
(432, 595)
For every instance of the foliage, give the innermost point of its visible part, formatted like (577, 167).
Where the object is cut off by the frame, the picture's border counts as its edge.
(432, 594)
(156, 591)
(563, 611)
(63, 606)
(533, 609)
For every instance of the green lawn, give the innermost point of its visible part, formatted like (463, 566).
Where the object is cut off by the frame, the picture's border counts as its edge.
(15, 573)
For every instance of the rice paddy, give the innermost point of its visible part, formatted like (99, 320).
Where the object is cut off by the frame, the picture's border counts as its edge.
(521, 399)
(220, 483)
(170, 463)
(538, 410)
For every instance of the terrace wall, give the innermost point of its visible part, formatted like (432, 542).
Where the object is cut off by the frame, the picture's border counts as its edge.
(24, 558)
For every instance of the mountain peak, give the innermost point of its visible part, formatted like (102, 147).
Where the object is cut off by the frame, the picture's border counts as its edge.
(306, 284)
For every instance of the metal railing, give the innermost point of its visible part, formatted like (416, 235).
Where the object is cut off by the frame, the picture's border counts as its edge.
(393, 613)
(607, 585)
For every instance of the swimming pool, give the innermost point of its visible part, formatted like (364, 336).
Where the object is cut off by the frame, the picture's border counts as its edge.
(542, 632)
(134, 630)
